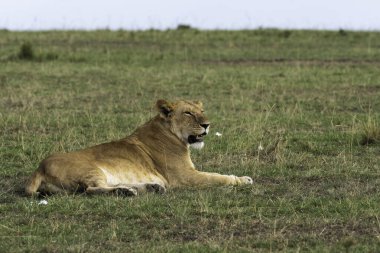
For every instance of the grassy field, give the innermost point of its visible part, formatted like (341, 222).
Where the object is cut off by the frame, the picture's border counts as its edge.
(311, 100)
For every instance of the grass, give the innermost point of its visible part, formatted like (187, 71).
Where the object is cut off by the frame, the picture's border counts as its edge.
(306, 98)
(371, 132)
(26, 52)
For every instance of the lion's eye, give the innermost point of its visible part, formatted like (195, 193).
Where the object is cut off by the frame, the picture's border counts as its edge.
(189, 113)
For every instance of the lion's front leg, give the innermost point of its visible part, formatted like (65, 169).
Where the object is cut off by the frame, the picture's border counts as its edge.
(198, 178)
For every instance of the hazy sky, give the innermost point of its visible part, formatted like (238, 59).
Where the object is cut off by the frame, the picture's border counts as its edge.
(203, 14)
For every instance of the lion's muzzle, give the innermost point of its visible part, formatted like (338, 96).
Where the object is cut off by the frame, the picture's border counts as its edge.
(196, 138)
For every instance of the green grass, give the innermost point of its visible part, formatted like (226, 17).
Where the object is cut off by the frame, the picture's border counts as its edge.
(308, 98)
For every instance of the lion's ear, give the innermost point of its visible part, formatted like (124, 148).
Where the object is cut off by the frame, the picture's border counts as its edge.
(198, 103)
(164, 107)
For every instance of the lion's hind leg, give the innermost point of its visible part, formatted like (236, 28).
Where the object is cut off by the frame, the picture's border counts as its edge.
(156, 188)
(117, 190)
(149, 187)
(143, 188)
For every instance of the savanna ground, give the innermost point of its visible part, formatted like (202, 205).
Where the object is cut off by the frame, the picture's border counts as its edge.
(298, 112)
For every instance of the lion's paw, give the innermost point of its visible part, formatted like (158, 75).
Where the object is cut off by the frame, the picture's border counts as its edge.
(125, 192)
(246, 180)
(156, 188)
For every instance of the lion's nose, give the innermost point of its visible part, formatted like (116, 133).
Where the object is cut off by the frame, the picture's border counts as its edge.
(205, 126)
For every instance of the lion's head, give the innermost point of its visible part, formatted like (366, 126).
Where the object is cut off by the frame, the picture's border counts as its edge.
(186, 119)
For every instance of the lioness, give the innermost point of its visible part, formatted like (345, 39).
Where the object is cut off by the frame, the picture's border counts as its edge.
(153, 158)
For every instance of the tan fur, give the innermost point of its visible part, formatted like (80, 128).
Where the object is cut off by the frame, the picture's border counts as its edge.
(155, 157)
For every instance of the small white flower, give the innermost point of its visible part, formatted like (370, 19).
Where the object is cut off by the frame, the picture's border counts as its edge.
(43, 202)
(260, 147)
(218, 134)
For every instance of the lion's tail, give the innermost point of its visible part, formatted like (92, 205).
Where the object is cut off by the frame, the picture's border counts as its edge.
(34, 183)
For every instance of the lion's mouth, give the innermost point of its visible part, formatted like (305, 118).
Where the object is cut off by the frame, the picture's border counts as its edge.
(195, 138)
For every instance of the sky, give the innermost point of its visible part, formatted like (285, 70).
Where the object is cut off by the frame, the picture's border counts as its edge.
(201, 14)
